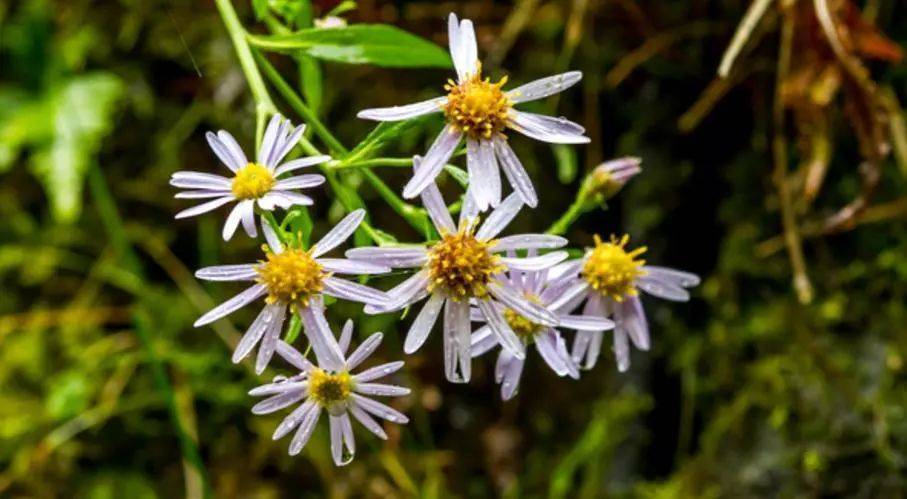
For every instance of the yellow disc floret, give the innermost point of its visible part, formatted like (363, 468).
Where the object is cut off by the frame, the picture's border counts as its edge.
(612, 270)
(477, 107)
(329, 389)
(292, 277)
(523, 327)
(252, 181)
(461, 265)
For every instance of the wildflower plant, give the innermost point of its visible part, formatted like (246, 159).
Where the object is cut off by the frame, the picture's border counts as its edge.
(519, 288)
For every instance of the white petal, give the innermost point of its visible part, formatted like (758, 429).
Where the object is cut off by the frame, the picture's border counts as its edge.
(482, 341)
(544, 87)
(278, 402)
(546, 345)
(306, 428)
(269, 139)
(232, 146)
(224, 154)
(399, 113)
(392, 257)
(204, 207)
(344, 266)
(632, 318)
(336, 236)
(293, 419)
(469, 212)
(662, 288)
(379, 371)
(242, 272)
(468, 61)
(557, 302)
(547, 128)
(515, 172)
(484, 177)
(510, 379)
(199, 180)
(248, 217)
(271, 236)
(363, 351)
(233, 220)
(457, 360)
(678, 277)
(346, 336)
(423, 324)
(202, 194)
(535, 263)
(231, 305)
(434, 160)
(274, 388)
(300, 163)
(621, 350)
(505, 335)
(434, 204)
(407, 292)
(291, 355)
(299, 182)
(529, 241)
(500, 217)
(288, 144)
(325, 346)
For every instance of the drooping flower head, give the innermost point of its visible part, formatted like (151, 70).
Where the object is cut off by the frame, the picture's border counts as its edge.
(294, 279)
(332, 387)
(538, 286)
(609, 278)
(610, 177)
(479, 110)
(254, 183)
(464, 266)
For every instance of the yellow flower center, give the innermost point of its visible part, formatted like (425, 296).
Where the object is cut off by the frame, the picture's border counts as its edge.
(328, 389)
(523, 327)
(292, 277)
(612, 270)
(461, 265)
(477, 107)
(252, 181)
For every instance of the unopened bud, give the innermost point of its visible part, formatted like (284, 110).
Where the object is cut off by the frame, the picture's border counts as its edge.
(609, 177)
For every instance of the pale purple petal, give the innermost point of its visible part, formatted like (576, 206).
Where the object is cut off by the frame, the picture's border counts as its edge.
(469, 53)
(325, 346)
(532, 311)
(259, 326)
(248, 217)
(269, 340)
(379, 371)
(300, 163)
(529, 241)
(344, 266)
(484, 177)
(381, 390)
(226, 156)
(632, 318)
(621, 350)
(340, 233)
(392, 257)
(502, 331)
(399, 113)
(482, 341)
(544, 87)
(271, 236)
(515, 172)
(286, 146)
(557, 302)
(233, 220)
(678, 277)
(291, 355)
(199, 180)
(299, 182)
(241, 272)
(346, 336)
(233, 304)
(294, 418)
(278, 402)
(500, 217)
(364, 350)
(546, 345)
(367, 421)
(348, 290)
(547, 128)
(306, 428)
(457, 361)
(205, 194)
(423, 324)
(585, 322)
(535, 263)
(407, 292)
(434, 160)
(662, 288)
(510, 379)
(269, 139)
(233, 148)
(434, 204)
(378, 409)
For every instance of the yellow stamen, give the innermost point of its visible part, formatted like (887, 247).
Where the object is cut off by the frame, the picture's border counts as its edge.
(477, 107)
(523, 327)
(461, 265)
(252, 181)
(612, 270)
(328, 389)
(292, 277)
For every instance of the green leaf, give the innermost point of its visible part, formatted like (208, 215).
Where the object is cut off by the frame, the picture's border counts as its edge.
(260, 7)
(567, 166)
(378, 44)
(378, 138)
(80, 112)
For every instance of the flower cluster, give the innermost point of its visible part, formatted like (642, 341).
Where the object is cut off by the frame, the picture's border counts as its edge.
(520, 290)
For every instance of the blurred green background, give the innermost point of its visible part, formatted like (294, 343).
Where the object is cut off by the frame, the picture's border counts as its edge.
(756, 388)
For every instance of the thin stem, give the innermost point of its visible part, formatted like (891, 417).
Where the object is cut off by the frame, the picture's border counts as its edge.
(576, 209)
(264, 106)
(368, 163)
(269, 217)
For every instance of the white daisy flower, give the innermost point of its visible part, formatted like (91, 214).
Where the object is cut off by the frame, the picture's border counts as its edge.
(294, 278)
(462, 267)
(539, 287)
(331, 386)
(253, 183)
(479, 111)
(610, 278)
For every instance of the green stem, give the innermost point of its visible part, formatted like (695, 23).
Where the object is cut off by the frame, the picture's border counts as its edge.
(573, 212)
(269, 217)
(368, 163)
(298, 105)
(264, 106)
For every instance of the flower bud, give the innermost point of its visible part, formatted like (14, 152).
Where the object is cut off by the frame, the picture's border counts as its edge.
(609, 177)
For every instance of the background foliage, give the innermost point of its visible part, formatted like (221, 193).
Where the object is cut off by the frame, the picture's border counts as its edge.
(107, 391)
